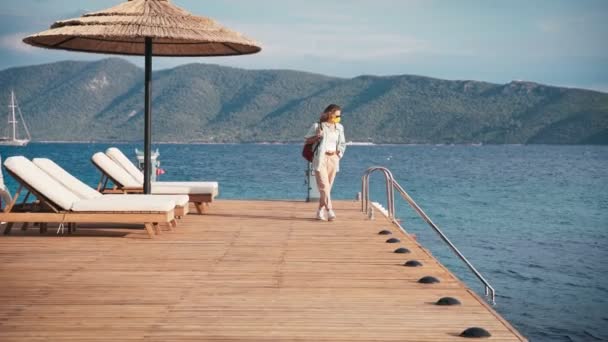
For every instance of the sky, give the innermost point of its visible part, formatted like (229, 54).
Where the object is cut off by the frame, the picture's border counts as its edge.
(556, 42)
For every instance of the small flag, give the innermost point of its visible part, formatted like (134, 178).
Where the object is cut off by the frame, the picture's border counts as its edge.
(160, 171)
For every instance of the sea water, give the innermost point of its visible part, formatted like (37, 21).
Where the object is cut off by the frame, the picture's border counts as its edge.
(533, 219)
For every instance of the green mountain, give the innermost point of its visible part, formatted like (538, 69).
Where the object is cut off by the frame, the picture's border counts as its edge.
(103, 100)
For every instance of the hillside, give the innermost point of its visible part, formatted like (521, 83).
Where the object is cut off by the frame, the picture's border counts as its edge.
(103, 100)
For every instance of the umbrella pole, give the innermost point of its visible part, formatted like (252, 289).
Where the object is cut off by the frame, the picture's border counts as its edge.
(148, 116)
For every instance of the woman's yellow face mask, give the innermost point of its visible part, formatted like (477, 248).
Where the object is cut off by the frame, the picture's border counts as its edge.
(336, 117)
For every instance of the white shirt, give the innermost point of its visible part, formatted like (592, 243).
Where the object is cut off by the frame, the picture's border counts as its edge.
(331, 140)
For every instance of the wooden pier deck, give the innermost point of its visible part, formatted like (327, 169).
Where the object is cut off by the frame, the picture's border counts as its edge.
(246, 271)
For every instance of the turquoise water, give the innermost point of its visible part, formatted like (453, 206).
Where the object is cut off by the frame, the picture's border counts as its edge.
(532, 219)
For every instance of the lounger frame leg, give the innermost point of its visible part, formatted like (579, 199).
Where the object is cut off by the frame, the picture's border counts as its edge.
(9, 206)
(199, 207)
(150, 230)
(7, 229)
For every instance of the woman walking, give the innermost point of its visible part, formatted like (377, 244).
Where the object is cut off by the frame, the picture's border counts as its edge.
(328, 133)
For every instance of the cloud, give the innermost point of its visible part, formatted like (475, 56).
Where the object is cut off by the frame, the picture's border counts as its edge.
(335, 42)
(549, 26)
(13, 43)
(333, 32)
(560, 24)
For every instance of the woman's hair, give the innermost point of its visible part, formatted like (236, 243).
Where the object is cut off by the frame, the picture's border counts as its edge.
(329, 110)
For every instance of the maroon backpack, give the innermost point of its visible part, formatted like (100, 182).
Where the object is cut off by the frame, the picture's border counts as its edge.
(308, 152)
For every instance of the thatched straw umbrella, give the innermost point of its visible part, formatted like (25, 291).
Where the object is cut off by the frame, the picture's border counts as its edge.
(144, 28)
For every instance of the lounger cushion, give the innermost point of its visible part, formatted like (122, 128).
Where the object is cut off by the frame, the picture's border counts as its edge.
(191, 188)
(86, 192)
(74, 184)
(122, 203)
(41, 182)
(122, 160)
(115, 171)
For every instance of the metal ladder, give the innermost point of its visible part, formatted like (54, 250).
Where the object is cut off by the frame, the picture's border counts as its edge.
(391, 185)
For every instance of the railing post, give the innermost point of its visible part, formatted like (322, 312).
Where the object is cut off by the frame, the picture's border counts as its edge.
(390, 194)
(363, 193)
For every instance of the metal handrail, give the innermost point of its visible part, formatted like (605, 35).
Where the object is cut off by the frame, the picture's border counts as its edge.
(489, 290)
(390, 195)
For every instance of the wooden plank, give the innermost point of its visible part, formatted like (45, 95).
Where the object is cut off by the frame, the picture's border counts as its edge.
(246, 270)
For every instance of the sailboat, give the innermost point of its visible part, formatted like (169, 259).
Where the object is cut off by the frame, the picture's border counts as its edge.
(14, 140)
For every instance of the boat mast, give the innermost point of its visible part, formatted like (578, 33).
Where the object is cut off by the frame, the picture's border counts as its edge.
(27, 131)
(12, 120)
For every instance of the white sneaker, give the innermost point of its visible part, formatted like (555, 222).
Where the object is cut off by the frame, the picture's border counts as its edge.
(321, 215)
(331, 215)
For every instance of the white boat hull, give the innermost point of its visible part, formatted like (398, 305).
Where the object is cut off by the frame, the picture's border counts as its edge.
(19, 142)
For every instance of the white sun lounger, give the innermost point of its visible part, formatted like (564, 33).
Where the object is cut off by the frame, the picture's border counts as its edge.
(127, 178)
(195, 187)
(59, 204)
(84, 191)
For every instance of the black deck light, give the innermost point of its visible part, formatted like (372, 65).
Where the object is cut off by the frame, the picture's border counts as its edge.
(385, 232)
(448, 301)
(475, 332)
(402, 250)
(428, 280)
(412, 263)
(393, 240)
